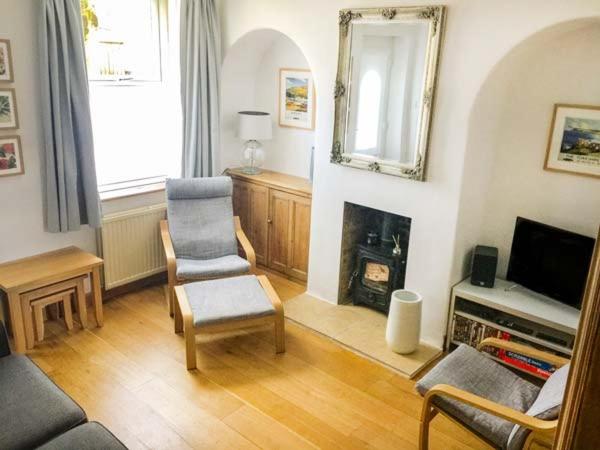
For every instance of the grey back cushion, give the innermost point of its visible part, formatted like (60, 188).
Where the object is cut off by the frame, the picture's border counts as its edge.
(546, 406)
(200, 215)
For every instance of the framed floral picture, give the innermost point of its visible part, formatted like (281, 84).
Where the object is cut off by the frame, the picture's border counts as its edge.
(6, 70)
(574, 142)
(11, 157)
(296, 99)
(8, 110)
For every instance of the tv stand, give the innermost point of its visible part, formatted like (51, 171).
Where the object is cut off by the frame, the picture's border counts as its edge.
(511, 312)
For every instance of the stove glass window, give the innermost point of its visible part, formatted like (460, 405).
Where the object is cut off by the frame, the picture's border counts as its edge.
(375, 276)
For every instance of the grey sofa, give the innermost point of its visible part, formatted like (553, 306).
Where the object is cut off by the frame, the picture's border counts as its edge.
(36, 412)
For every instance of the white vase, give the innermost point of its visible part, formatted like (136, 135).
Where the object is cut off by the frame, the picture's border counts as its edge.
(404, 321)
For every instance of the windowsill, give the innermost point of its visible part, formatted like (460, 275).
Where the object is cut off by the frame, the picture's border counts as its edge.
(132, 191)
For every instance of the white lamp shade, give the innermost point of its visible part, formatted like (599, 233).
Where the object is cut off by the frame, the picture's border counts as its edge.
(254, 126)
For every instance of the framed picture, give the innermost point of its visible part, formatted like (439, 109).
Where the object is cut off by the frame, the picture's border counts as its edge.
(11, 157)
(296, 99)
(8, 110)
(6, 70)
(574, 142)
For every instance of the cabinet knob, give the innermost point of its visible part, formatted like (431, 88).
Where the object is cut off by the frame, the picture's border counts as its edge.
(269, 221)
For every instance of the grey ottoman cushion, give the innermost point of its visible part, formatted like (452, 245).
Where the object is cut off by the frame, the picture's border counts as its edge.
(90, 436)
(471, 371)
(225, 266)
(224, 300)
(34, 409)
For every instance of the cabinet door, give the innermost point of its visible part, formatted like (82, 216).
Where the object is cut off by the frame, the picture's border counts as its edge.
(280, 207)
(299, 238)
(241, 204)
(259, 216)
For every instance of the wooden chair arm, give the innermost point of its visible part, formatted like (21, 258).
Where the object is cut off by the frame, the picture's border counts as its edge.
(245, 243)
(525, 350)
(496, 409)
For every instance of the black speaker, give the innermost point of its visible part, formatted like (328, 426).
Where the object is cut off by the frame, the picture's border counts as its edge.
(483, 269)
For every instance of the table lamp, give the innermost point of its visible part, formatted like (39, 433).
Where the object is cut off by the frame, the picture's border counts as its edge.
(253, 127)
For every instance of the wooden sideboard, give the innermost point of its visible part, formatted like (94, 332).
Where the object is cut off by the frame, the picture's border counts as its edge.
(274, 209)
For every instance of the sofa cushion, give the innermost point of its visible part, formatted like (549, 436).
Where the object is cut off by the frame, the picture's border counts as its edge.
(34, 409)
(225, 266)
(89, 436)
(227, 299)
(472, 371)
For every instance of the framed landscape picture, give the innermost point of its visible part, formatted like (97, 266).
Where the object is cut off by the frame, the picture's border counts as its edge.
(296, 99)
(6, 70)
(574, 142)
(11, 157)
(8, 110)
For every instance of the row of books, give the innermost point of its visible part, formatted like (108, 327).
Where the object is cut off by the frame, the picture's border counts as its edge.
(471, 332)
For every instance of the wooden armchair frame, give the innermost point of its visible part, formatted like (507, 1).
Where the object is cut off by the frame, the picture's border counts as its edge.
(542, 431)
(172, 264)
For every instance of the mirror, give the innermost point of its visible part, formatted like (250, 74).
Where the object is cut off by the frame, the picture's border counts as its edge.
(385, 85)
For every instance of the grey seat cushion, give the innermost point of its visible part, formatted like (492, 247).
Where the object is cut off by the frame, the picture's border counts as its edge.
(546, 406)
(200, 217)
(225, 266)
(471, 371)
(89, 436)
(34, 409)
(227, 299)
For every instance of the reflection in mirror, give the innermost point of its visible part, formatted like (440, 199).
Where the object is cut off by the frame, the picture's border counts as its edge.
(388, 77)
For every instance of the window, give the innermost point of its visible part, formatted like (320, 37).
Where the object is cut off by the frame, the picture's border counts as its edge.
(133, 97)
(369, 102)
(123, 40)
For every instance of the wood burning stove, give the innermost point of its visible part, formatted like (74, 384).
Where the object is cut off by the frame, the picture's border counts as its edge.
(378, 272)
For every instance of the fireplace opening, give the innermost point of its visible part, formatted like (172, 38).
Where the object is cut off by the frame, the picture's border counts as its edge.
(373, 256)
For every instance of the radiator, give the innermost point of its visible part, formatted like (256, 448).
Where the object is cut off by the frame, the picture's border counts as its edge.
(131, 245)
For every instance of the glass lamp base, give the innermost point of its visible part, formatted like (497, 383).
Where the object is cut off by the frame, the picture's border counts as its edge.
(251, 170)
(253, 157)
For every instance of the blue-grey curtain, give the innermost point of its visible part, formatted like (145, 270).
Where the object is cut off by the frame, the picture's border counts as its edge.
(71, 192)
(200, 69)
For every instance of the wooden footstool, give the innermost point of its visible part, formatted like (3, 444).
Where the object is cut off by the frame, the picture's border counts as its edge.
(33, 303)
(227, 304)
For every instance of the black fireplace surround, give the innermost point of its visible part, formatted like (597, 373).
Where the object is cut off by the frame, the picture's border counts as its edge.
(370, 271)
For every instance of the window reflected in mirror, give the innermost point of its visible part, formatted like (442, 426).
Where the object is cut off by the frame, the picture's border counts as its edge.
(388, 68)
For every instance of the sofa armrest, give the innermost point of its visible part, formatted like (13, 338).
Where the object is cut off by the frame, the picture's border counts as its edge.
(4, 347)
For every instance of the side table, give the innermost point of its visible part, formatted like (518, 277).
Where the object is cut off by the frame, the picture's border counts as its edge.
(23, 275)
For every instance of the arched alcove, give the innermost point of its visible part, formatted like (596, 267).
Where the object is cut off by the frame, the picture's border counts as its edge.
(250, 81)
(508, 131)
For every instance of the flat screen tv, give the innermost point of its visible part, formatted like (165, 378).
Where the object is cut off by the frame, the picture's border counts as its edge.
(550, 261)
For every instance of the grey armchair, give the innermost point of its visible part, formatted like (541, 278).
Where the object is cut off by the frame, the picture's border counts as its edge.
(484, 397)
(201, 235)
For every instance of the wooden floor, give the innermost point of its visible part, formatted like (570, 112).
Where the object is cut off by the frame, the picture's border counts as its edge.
(131, 376)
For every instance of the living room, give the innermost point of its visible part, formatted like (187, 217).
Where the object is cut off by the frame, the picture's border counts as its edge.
(133, 133)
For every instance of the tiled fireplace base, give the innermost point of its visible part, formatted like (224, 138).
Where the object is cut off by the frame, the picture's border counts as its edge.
(358, 328)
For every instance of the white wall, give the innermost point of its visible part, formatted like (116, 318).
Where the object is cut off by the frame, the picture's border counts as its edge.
(565, 69)
(478, 35)
(21, 207)
(250, 80)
